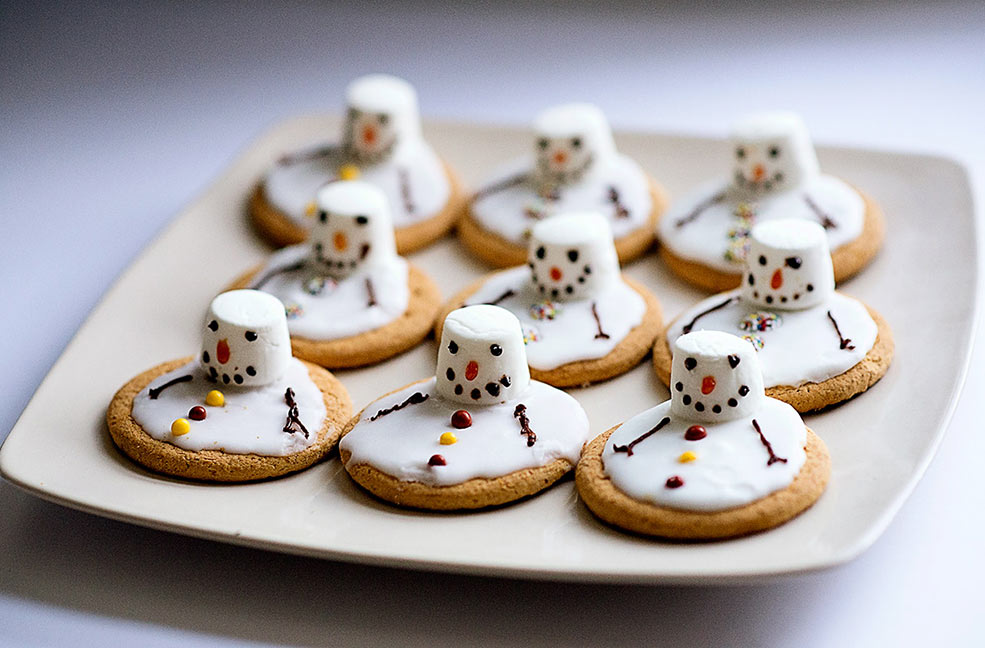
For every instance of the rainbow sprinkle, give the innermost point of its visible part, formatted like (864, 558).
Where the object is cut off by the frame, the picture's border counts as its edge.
(738, 233)
(293, 310)
(545, 310)
(760, 321)
(316, 285)
(754, 340)
(530, 334)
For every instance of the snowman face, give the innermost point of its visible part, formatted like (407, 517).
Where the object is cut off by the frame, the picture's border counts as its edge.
(352, 230)
(714, 377)
(572, 256)
(481, 359)
(571, 140)
(382, 115)
(245, 340)
(771, 152)
(788, 266)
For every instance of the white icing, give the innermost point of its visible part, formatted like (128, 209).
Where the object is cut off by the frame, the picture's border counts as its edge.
(505, 212)
(401, 442)
(706, 238)
(714, 377)
(805, 347)
(245, 339)
(731, 468)
(481, 357)
(571, 335)
(250, 422)
(342, 307)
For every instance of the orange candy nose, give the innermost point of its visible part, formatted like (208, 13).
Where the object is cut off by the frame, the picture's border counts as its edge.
(340, 241)
(369, 134)
(707, 385)
(556, 273)
(777, 279)
(471, 370)
(758, 172)
(222, 351)
(560, 157)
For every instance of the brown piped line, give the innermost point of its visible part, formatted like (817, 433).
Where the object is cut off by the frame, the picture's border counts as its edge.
(846, 343)
(413, 399)
(769, 446)
(628, 449)
(520, 413)
(154, 392)
(699, 209)
(293, 423)
(690, 325)
(826, 221)
(601, 334)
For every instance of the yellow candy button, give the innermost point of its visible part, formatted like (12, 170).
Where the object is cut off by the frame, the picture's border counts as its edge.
(215, 398)
(180, 426)
(310, 209)
(687, 457)
(448, 438)
(348, 172)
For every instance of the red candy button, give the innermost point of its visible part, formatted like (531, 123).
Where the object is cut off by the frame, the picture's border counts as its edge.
(437, 460)
(461, 420)
(675, 482)
(197, 413)
(695, 433)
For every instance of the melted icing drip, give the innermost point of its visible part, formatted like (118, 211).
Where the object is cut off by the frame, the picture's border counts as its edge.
(628, 449)
(769, 447)
(687, 327)
(846, 343)
(414, 399)
(520, 413)
(293, 423)
(154, 392)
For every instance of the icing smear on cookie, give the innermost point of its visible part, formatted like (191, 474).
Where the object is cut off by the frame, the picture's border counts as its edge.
(804, 330)
(775, 175)
(720, 442)
(381, 143)
(570, 296)
(480, 416)
(245, 394)
(575, 166)
(347, 279)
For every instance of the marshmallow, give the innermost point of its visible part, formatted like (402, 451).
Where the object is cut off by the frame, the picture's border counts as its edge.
(714, 377)
(353, 228)
(573, 141)
(382, 117)
(245, 341)
(771, 151)
(481, 359)
(572, 256)
(788, 266)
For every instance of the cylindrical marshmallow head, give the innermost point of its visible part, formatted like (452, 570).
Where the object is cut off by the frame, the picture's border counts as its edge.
(771, 151)
(245, 341)
(482, 359)
(382, 117)
(714, 377)
(352, 229)
(788, 265)
(572, 256)
(573, 141)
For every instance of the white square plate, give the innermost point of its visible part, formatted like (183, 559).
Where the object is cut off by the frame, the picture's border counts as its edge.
(923, 282)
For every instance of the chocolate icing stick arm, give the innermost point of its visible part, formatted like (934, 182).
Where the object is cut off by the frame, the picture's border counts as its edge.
(628, 449)
(414, 399)
(769, 446)
(846, 343)
(274, 272)
(370, 292)
(305, 156)
(520, 413)
(507, 294)
(405, 192)
(293, 423)
(699, 209)
(154, 392)
(616, 200)
(502, 185)
(690, 325)
(601, 335)
(822, 217)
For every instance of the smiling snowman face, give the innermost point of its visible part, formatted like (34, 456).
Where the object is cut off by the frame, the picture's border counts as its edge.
(352, 228)
(572, 256)
(771, 152)
(572, 141)
(714, 377)
(788, 265)
(245, 341)
(481, 359)
(382, 115)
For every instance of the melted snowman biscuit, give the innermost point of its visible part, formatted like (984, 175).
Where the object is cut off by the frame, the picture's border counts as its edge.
(817, 347)
(350, 300)
(775, 175)
(575, 167)
(480, 433)
(582, 321)
(243, 410)
(382, 144)
(719, 459)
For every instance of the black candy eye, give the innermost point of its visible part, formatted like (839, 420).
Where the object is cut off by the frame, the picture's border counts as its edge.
(214, 326)
(383, 119)
(496, 350)
(690, 364)
(740, 153)
(323, 216)
(762, 260)
(576, 142)
(774, 151)
(362, 220)
(541, 252)
(250, 336)
(453, 347)
(543, 144)
(794, 262)
(573, 255)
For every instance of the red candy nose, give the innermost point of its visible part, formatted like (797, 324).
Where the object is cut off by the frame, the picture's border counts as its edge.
(758, 172)
(707, 385)
(556, 273)
(222, 352)
(560, 158)
(369, 135)
(777, 279)
(471, 370)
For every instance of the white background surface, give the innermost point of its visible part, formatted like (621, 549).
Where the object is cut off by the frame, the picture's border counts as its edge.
(113, 118)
